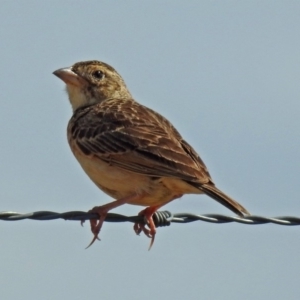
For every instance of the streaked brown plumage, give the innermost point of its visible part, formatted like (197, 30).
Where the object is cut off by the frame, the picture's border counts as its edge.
(129, 151)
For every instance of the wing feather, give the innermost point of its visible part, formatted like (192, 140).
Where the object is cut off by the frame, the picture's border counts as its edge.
(135, 138)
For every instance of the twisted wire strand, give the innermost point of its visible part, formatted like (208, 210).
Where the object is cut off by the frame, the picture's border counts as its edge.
(161, 218)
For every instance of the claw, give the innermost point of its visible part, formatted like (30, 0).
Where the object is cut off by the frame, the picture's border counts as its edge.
(92, 242)
(137, 229)
(151, 242)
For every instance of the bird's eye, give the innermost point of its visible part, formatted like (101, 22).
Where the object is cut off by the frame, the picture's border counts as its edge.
(98, 74)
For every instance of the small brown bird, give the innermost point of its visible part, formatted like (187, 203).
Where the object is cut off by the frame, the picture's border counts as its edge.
(129, 151)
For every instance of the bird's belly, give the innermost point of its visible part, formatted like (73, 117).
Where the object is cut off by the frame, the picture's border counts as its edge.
(119, 183)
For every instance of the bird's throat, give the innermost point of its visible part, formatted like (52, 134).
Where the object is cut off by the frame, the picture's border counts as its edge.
(77, 96)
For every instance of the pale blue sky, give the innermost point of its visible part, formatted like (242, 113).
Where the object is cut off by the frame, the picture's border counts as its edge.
(226, 73)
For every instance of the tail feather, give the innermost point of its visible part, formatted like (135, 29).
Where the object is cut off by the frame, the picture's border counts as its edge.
(223, 199)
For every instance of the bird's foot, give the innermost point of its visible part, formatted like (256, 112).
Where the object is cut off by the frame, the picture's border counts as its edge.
(96, 225)
(151, 230)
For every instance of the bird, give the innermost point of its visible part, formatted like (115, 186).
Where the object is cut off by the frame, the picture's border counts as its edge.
(132, 153)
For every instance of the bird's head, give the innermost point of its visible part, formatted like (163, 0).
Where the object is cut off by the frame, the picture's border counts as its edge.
(92, 82)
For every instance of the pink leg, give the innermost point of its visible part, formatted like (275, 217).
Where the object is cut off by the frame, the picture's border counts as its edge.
(104, 209)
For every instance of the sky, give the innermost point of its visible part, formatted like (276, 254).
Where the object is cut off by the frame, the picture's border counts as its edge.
(226, 74)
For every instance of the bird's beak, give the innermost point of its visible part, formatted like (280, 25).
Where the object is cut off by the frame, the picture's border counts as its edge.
(69, 77)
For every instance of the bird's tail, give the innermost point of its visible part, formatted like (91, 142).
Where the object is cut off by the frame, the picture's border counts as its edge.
(223, 199)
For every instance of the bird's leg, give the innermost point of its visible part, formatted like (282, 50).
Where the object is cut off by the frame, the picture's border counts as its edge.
(148, 215)
(104, 209)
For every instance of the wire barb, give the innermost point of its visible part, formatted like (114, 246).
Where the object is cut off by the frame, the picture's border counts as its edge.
(161, 218)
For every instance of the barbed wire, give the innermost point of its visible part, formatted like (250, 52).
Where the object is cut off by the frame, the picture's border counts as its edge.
(161, 218)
